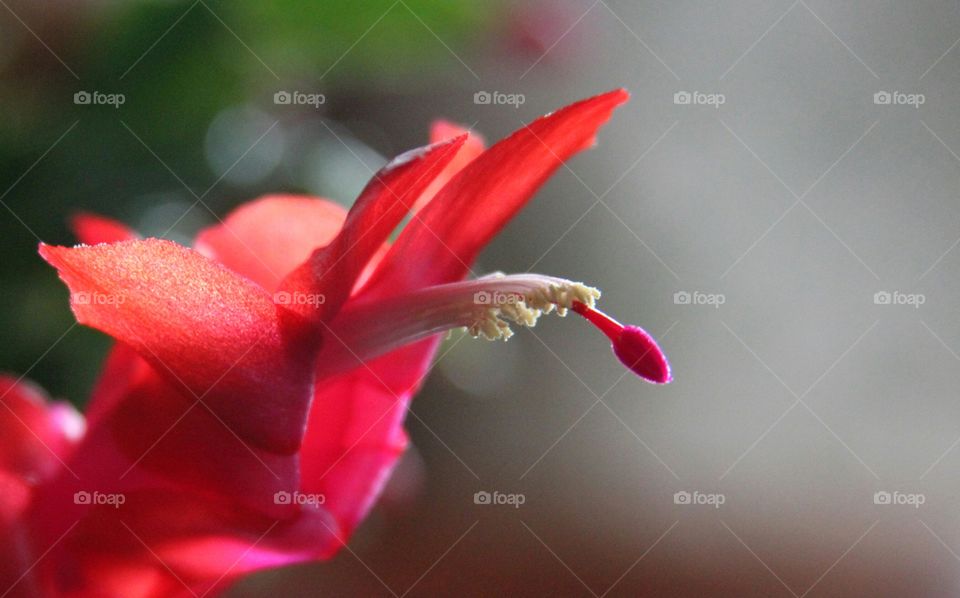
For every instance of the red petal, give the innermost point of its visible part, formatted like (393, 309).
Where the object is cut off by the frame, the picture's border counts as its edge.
(200, 325)
(330, 272)
(440, 245)
(442, 130)
(154, 431)
(150, 441)
(267, 238)
(122, 370)
(355, 433)
(91, 229)
(140, 422)
(37, 435)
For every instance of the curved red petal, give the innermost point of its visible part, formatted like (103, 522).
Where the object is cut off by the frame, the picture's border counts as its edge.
(208, 330)
(267, 238)
(355, 433)
(331, 272)
(442, 130)
(440, 245)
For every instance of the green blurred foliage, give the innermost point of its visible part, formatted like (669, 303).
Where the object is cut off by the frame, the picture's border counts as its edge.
(303, 36)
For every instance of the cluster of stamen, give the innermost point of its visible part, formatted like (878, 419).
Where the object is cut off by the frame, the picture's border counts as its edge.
(494, 318)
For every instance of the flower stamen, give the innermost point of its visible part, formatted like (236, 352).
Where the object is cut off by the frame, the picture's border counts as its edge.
(524, 309)
(486, 307)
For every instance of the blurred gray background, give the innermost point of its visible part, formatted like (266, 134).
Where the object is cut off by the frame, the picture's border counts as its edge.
(789, 235)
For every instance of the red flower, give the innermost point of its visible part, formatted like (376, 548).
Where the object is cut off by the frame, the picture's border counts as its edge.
(253, 405)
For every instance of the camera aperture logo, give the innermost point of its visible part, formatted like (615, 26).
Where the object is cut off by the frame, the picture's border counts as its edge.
(95, 498)
(697, 298)
(897, 298)
(499, 98)
(98, 98)
(314, 300)
(699, 498)
(882, 497)
(282, 497)
(499, 498)
(698, 98)
(899, 98)
(496, 298)
(299, 98)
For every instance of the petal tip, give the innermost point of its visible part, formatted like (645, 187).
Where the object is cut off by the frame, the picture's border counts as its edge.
(46, 252)
(56, 255)
(617, 96)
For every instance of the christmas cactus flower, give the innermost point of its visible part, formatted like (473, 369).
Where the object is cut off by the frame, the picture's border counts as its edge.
(253, 405)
